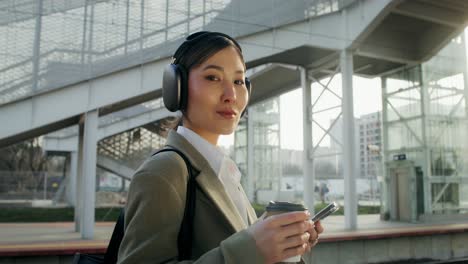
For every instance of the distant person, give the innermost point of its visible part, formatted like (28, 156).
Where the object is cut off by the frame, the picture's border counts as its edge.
(214, 94)
(323, 192)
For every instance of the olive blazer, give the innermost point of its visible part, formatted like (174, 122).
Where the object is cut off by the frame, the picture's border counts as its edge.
(155, 207)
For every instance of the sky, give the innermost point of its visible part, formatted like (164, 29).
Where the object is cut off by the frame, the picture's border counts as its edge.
(367, 99)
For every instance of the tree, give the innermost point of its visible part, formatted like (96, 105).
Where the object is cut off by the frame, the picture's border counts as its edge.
(25, 163)
(325, 169)
(291, 169)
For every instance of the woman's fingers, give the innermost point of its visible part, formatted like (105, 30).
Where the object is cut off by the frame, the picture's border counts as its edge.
(315, 231)
(291, 252)
(318, 227)
(288, 218)
(295, 241)
(314, 235)
(285, 235)
(297, 228)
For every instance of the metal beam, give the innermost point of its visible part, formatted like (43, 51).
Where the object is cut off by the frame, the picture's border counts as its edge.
(36, 114)
(250, 157)
(133, 122)
(428, 12)
(327, 32)
(115, 167)
(70, 142)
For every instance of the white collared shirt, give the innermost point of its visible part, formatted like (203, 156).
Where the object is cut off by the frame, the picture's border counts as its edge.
(224, 167)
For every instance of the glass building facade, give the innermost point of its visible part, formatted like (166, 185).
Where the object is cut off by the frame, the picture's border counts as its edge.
(424, 126)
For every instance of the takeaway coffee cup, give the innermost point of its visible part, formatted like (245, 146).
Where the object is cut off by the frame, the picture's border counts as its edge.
(274, 208)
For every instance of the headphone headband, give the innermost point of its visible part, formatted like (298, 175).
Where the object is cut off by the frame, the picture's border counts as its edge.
(194, 38)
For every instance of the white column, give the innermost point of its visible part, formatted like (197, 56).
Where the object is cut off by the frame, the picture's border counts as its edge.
(385, 198)
(280, 161)
(79, 182)
(465, 75)
(427, 172)
(87, 192)
(307, 159)
(250, 156)
(465, 93)
(349, 148)
(71, 179)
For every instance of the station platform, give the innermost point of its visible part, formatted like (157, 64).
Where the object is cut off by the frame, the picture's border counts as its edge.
(59, 240)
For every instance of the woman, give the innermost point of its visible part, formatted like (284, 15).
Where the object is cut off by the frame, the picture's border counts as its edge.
(209, 70)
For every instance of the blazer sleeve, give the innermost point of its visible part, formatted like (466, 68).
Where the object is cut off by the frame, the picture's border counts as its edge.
(154, 212)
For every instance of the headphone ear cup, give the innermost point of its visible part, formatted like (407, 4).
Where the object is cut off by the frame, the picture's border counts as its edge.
(248, 84)
(183, 75)
(174, 88)
(171, 88)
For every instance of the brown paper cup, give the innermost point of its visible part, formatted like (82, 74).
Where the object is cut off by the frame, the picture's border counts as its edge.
(274, 208)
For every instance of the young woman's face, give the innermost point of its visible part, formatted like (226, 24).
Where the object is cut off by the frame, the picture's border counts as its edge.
(217, 95)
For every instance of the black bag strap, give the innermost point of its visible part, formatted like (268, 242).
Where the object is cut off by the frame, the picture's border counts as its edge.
(185, 236)
(116, 239)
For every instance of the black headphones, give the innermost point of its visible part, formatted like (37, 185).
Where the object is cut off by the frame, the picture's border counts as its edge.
(175, 77)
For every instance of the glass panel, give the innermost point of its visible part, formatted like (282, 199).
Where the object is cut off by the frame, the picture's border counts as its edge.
(266, 156)
(406, 103)
(405, 79)
(445, 197)
(463, 194)
(240, 150)
(404, 136)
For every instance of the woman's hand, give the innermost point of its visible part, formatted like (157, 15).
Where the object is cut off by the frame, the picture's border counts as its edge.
(314, 235)
(285, 235)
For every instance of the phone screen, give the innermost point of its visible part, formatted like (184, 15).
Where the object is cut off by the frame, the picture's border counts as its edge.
(328, 210)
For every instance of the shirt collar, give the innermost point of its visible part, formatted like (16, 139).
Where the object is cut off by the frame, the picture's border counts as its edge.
(211, 153)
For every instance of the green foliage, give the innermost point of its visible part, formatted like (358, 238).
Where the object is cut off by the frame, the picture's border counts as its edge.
(291, 169)
(65, 214)
(260, 208)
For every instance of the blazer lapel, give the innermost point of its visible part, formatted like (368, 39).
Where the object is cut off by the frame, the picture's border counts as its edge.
(208, 181)
(251, 215)
(213, 187)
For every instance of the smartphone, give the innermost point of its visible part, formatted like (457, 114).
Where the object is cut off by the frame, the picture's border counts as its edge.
(328, 210)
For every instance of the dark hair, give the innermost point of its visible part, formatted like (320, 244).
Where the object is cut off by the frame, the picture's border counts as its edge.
(202, 45)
